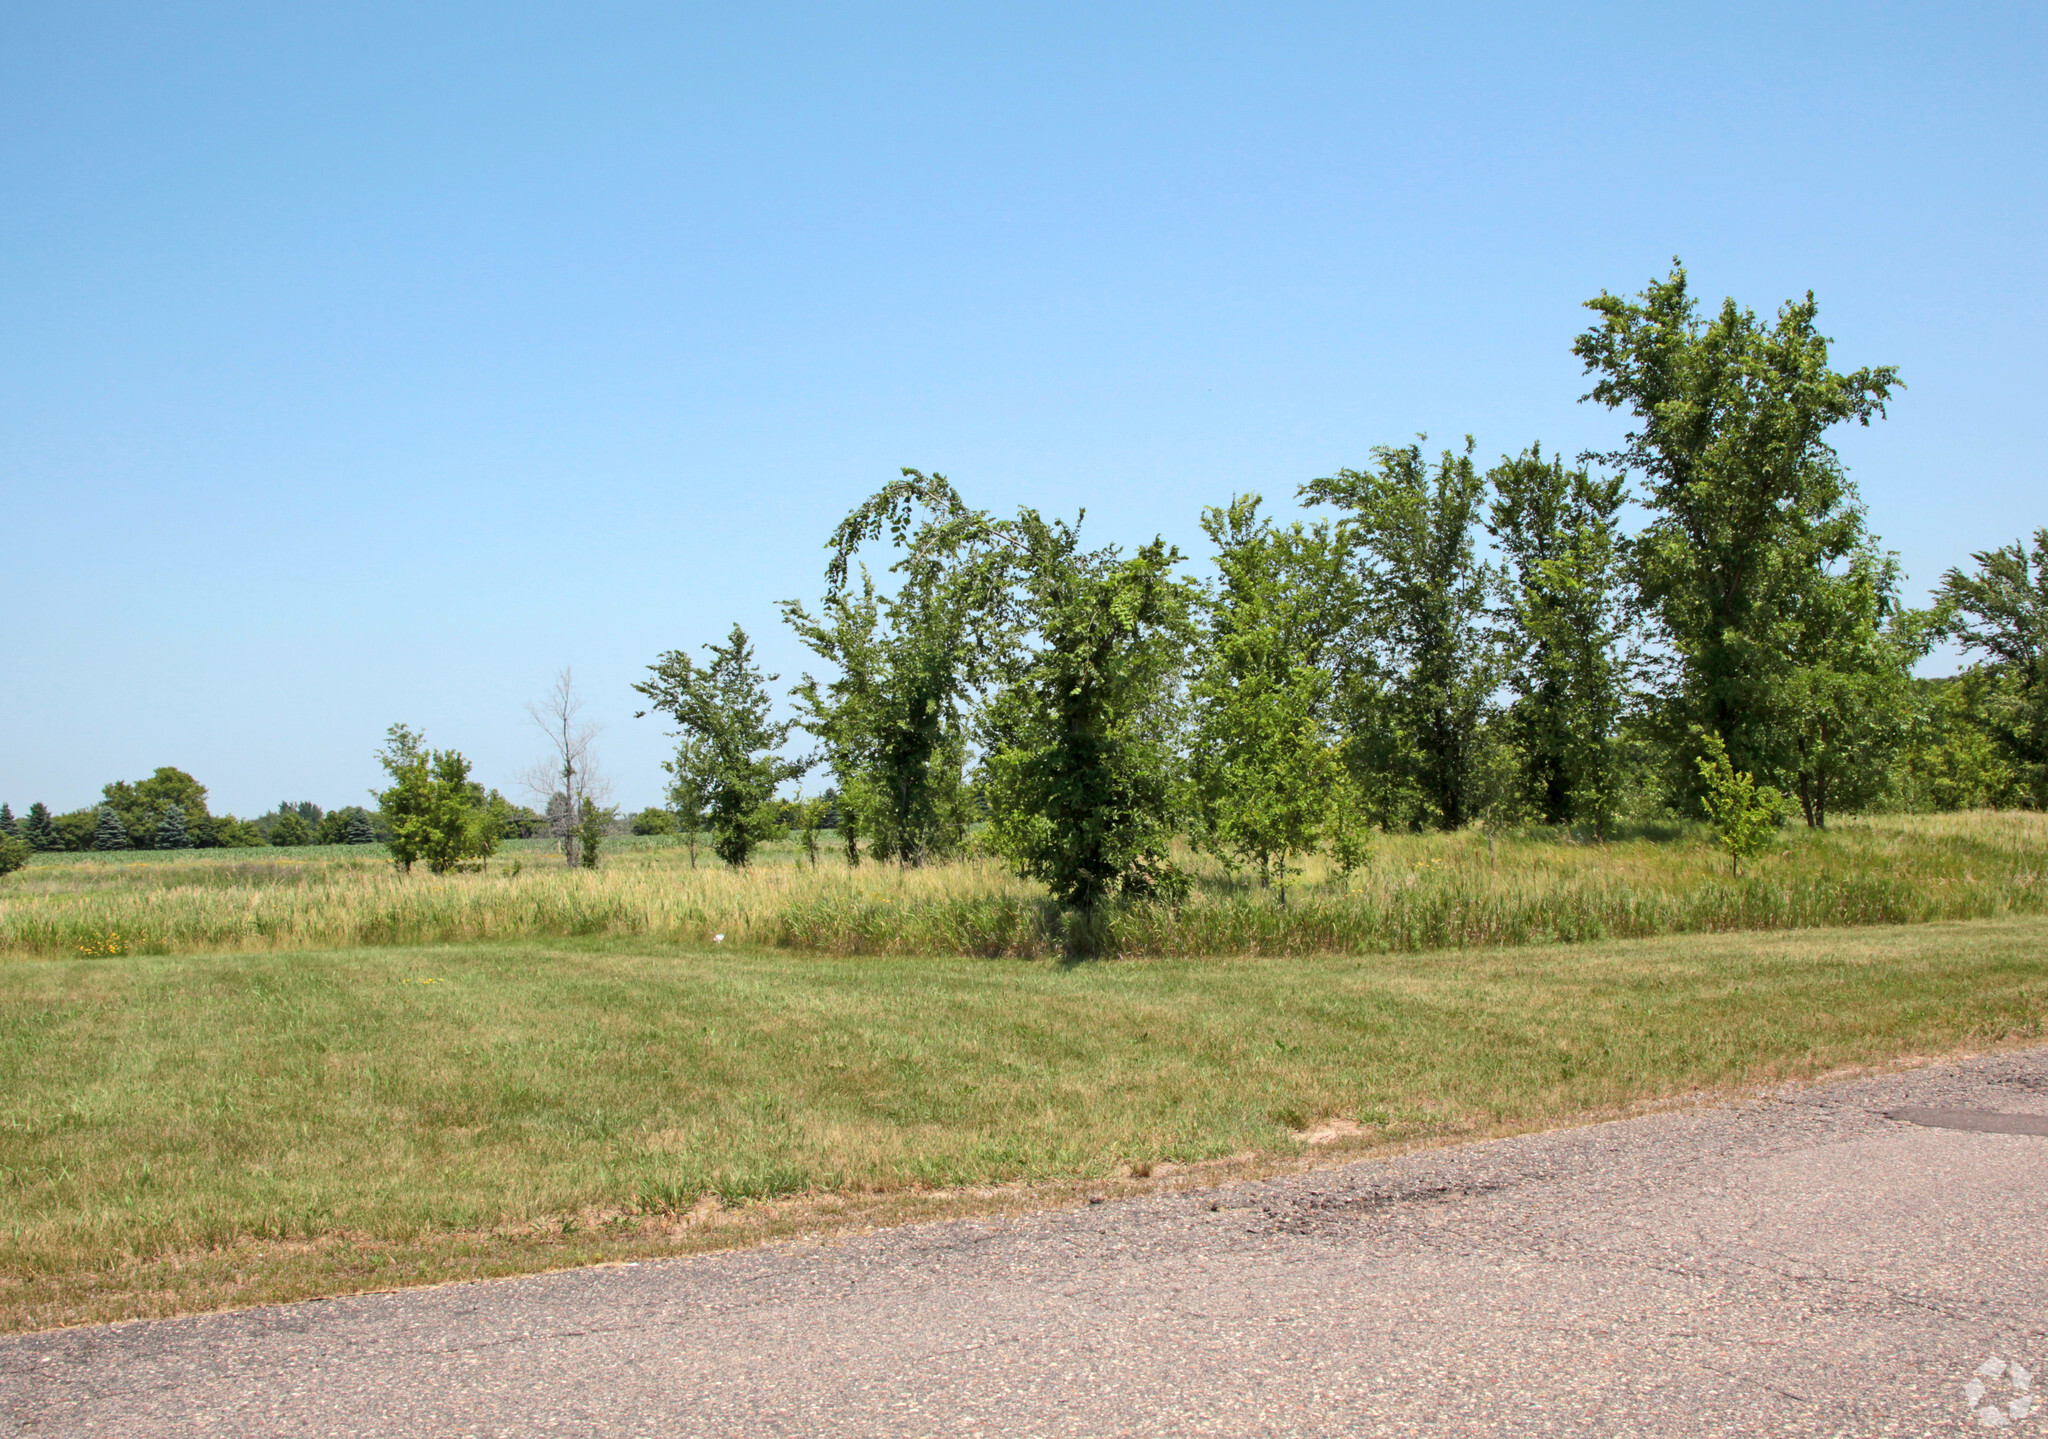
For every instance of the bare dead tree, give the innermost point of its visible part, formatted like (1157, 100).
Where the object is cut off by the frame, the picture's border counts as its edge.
(570, 774)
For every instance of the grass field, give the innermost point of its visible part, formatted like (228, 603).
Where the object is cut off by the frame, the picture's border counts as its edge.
(1417, 892)
(191, 1131)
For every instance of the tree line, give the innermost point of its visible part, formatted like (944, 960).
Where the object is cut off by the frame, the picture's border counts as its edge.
(1699, 621)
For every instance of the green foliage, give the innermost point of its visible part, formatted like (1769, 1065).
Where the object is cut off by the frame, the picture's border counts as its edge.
(290, 830)
(1265, 762)
(653, 820)
(1750, 507)
(1081, 764)
(232, 833)
(1423, 649)
(14, 853)
(38, 829)
(337, 825)
(142, 804)
(108, 831)
(434, 812)
(170, 830)
(1745, 815)
(2000, 611)
(77, 829)
(9, 826)
(592, 826)
(1564, 594)
(361, 830)
(1953, 757)
(892, 724)
(728, 740)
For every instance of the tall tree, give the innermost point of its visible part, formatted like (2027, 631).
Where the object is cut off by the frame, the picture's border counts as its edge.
(909, 660)
(9, 826)
(142, 804)
(1424, 615)
(1564, 596)
(1999, 610)
(1749, 505)
(1080, 760)
(725, 707)
(1265, 763)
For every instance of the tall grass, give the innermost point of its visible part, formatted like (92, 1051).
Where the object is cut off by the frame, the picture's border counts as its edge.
(1415, 893)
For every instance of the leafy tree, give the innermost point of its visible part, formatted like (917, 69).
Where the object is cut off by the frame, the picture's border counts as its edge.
(2000, 610)
(434, 811)
(290, 830)
(337, 824)
(1749, 505)
(108, 831)
(1265, 763)
(170, 830)
(9, 826)
(893, 724)
(14, 853)
(724, 708)
(654, 820)
(232, 833)
(38, 829)
(142, 804)
(689, 788)
(1424, 611)
(1845, 703)
(1953, 758)
(77, 829)
(591, 828)
(1558, 530)
(1081, 764)
(1745, 815)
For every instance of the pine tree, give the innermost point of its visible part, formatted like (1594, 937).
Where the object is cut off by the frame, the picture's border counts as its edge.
(109, 832)
(170, 830)
(39, 830)
(8, 826)
(359, 830)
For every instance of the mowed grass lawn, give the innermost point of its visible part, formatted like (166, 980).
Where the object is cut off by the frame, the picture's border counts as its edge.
(183, 1132)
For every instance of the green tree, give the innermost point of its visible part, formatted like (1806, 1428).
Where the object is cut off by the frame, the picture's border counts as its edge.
(1845, 704)
(39, 830)
(1749, 505)
(1559, 531)
(1953, 758)
(434, 811)
(1264, 764)
(689, 788)
(289, 830)
(9, 826)
(591, 828)
(14, 853)
(143, 803)
(1424, 614)
(1081, 763)
(724, 707)
(1999, 610)
(1745, 815)
(76, 829)
(108, 831)
(360, 830)
(654, 820)
(910, 661)
(170, 830)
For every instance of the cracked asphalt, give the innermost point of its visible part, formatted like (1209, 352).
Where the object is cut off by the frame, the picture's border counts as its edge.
(1793, 1264)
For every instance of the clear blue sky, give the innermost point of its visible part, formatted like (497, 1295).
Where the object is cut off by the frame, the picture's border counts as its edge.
(371, 362)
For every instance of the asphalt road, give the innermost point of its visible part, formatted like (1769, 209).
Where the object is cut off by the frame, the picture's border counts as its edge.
(1798, 1264)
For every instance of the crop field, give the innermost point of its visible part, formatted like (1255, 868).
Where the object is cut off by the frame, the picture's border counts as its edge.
(1415, 892)
(245, 1077)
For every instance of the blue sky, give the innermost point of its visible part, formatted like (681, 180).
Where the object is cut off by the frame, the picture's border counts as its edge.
(371, 362)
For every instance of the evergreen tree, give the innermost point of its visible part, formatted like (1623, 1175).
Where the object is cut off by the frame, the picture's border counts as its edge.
(8, 825)
(360, 830)
(170, 830)
(108, 831)
(39, 829)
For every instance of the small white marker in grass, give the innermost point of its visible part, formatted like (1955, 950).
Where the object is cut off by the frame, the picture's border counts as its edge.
(718, 939)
